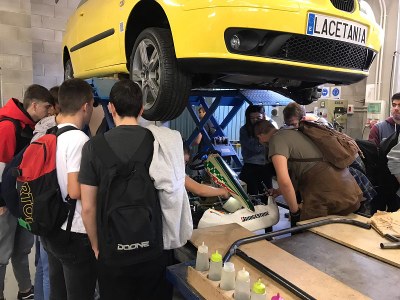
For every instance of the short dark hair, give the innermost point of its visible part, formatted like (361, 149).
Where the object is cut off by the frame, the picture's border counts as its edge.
(263, 126)
(38, 93)
(396, 97)
(291, 110)
(126, 96)
(74, 93)
(54, 92)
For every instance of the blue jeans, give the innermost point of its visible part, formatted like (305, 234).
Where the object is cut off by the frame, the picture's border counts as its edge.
(42, 282)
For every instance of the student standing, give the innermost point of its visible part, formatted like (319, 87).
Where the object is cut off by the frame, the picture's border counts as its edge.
(382, 130)
(256, 167)
(16, 127)
(136, 270)
(208, 127)
(72, 263)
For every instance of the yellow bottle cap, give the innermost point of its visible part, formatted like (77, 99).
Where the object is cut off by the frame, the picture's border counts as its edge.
(216, 257)
(259, 287)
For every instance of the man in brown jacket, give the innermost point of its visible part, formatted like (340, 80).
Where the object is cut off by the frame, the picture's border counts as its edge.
(324, 189)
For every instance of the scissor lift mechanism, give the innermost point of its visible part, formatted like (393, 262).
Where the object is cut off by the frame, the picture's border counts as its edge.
(232, 98)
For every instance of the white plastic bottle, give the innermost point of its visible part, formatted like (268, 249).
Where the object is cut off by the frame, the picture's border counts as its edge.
(202, 263)
(228, 277)
(258, 291)
(242, 285)
(215, 267)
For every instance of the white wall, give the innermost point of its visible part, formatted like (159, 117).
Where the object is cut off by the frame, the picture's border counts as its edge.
(30, 44)
(15, 48)
(48, 25)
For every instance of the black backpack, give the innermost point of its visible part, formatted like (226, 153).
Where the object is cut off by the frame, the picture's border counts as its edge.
(22, 136)
(129, 221)
(8, 186)
(41, 208)
(370, 159)
(8, 190)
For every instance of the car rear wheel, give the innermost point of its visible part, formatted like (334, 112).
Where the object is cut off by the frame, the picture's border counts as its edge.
(154, 67)
(68, 70)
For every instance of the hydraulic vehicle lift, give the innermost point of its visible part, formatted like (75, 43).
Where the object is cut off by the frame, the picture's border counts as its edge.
(234, 99)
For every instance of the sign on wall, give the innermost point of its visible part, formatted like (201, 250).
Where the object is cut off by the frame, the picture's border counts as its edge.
(336, 92)
(325, 92)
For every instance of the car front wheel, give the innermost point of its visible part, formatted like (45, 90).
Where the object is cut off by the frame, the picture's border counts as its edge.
(154, 67)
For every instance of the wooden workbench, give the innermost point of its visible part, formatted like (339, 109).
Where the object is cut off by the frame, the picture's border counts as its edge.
(316, 283)
(359, 239)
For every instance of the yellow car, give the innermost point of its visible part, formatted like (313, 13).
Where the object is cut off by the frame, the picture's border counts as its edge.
(171, 46)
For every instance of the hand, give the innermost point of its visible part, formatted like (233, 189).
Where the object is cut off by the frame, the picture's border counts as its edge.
(295, 217)
(96, 253)
(3, 210)
(274, 192)
(224, 193)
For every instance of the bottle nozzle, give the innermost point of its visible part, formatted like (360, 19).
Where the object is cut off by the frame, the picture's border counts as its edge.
(259, 287)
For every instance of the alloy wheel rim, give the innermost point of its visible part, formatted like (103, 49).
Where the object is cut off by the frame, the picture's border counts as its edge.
(68, 74)
(146, 71)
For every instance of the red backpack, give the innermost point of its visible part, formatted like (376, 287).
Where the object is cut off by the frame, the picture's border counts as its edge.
(41, 207)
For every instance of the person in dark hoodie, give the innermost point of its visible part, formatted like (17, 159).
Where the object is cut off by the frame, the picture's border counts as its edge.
(256, 168)
(384, 129)
(17, 121)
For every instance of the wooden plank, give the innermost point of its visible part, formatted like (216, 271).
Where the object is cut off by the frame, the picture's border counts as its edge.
(301, 274)
(210, 289)
(359, 239)
(207, 288)
(219, 237)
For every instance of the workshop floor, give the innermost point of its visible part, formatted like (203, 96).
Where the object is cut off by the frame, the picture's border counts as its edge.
(11, 288)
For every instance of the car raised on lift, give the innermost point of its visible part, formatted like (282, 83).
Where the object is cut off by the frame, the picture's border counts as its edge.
(172, 46)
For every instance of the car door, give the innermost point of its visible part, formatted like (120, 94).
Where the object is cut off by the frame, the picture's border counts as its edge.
(98, 33)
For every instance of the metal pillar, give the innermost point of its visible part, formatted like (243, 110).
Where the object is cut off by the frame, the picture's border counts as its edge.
(101, 94)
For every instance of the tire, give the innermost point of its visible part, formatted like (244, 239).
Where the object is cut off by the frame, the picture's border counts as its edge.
(68, 70)
(154, 67)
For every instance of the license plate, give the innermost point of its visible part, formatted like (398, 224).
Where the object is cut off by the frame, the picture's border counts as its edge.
(336, 29)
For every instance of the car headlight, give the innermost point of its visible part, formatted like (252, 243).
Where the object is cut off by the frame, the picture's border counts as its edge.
(366, 9)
